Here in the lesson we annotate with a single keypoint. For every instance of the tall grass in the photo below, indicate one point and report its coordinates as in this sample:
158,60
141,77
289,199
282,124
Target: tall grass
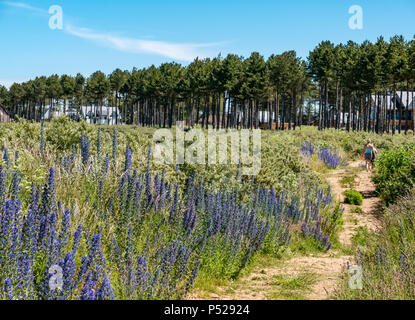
387,259
95,207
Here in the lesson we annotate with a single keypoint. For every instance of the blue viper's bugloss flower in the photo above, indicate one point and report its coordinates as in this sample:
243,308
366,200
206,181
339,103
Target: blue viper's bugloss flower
88,291
105,292
330,159
325,240
314,232
6,158
16,158
76,239
48,196
307,149
127,163
85,149
2,188
41,235
15,186
105,166
8,288
69,270
403,262
184,225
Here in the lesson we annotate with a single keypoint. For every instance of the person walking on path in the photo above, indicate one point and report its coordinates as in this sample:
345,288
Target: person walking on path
369,155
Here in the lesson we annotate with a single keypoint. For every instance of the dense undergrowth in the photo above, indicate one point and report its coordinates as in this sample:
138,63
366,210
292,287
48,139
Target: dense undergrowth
387,259
89,206
91,201
352,143
395,173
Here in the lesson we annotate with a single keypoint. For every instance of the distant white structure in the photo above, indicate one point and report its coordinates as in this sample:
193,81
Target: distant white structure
47,115
4,116
90,114
263,116
404,101
389,100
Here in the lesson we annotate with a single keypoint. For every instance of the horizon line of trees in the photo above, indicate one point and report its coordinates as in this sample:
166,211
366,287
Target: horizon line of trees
281,92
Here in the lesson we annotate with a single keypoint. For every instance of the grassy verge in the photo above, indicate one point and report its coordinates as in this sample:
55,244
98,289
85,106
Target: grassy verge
387,258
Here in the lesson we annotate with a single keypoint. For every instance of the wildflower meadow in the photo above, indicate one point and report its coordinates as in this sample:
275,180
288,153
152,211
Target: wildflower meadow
89,215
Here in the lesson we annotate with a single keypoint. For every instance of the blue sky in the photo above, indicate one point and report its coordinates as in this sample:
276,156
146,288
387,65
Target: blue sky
104,35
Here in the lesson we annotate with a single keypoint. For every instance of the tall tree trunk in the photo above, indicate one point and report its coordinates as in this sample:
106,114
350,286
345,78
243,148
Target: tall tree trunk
116,107
377,110
387,109
349,112
295,107
360,119
218,111
326,104
394,110
300,119
229,112
354,112
277,111
224,117
413,110
407,107
341,111
283,119
400,113
197,110
171,113
320,107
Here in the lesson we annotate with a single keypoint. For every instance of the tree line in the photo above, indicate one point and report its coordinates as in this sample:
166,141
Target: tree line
344,85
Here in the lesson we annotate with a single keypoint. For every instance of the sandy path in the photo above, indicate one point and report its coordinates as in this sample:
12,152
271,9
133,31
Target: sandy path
351,221
325,268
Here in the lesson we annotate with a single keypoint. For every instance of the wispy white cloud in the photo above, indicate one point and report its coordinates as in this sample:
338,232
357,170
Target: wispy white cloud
24,6
177,51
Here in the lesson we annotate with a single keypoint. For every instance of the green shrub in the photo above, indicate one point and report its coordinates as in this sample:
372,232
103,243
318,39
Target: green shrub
353,197
395,173
61,133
